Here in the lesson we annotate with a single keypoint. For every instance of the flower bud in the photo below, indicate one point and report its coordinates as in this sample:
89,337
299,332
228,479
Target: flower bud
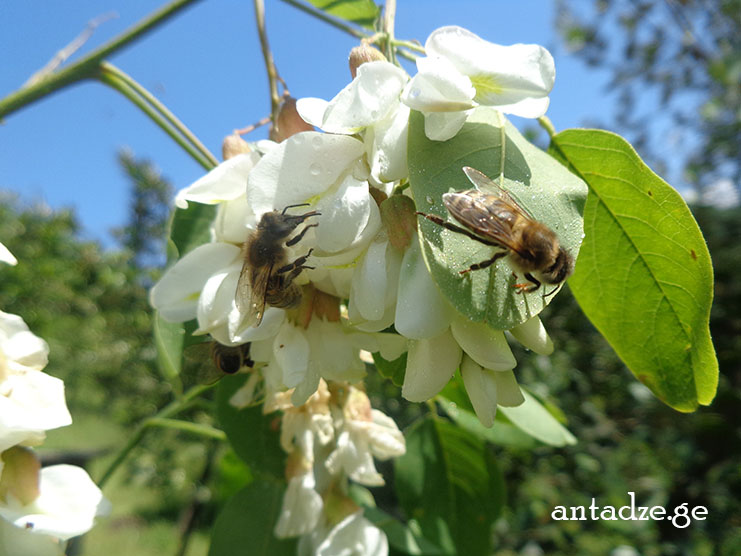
233,145
400,220
288,121
20,475
364,53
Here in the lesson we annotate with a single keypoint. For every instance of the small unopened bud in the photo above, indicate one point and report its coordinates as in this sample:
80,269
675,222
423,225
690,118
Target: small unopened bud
288,121
233,145
400,220
20,475
359,55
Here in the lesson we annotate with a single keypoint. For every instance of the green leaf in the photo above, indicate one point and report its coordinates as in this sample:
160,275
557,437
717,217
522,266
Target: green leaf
449,483
191,227
502,433
362,12
644,275
254,436
245,525
168,337
539,183
534,419
392,370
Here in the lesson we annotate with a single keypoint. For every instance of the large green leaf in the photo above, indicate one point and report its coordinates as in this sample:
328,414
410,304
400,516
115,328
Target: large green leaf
534,419
449,483
253,436
544,187
191,227
362,12
245,525
644,275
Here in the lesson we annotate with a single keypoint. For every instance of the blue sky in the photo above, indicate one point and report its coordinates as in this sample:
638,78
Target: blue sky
206,66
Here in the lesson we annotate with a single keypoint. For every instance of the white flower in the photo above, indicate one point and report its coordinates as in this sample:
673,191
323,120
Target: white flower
31,401
486,389
66,506
462,71
353,536
6,256
362,433
370,105
302,507
226,182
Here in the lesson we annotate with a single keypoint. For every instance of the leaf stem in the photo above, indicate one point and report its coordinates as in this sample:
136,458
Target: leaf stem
116,82
546,124
173,120
87,67
187,426
389,16
268,57
168,411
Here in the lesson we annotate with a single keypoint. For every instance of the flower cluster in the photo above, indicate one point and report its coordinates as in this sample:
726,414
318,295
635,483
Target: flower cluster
365,285
40,509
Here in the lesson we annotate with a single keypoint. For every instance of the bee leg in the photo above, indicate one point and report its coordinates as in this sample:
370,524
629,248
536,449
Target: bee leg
484,264
454,228
296,239
528,288
296,266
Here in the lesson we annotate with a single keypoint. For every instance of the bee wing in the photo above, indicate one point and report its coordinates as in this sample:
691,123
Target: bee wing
257,286
485,184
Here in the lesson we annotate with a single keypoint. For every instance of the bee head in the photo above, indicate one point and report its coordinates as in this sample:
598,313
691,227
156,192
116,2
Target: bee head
560,269
278,225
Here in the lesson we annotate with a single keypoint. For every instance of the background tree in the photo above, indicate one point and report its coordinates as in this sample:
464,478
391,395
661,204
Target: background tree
678,57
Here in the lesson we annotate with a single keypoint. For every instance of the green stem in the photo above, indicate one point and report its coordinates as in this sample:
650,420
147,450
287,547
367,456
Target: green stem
173,120
326,18
268,57
187,426
389,17
410,45
546,124
115,82
168,411
88,66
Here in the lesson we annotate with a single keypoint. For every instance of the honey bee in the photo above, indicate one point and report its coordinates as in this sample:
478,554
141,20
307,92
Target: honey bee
494,218
266,277
209,361
229,359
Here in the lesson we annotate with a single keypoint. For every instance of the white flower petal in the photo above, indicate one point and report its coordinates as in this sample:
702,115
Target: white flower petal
20,349
486,346
370,282
367,99
385,439
438,87
344,215
532,334
387,140
430,364
441,126
312,110
224,183
19,541
176,294
526,108
234,221
502,75
66,507
302,507
309,385
421,311
217,299
481,386
6,256
34,403
299,168
508,391
291,350
354,536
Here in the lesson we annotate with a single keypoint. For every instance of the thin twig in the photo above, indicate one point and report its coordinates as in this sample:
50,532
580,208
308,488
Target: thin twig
87,67
252,127
268,57
389,16
63,55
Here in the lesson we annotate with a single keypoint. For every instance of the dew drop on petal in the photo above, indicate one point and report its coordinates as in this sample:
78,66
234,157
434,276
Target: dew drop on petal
317,142
429,200
315,169
414,93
